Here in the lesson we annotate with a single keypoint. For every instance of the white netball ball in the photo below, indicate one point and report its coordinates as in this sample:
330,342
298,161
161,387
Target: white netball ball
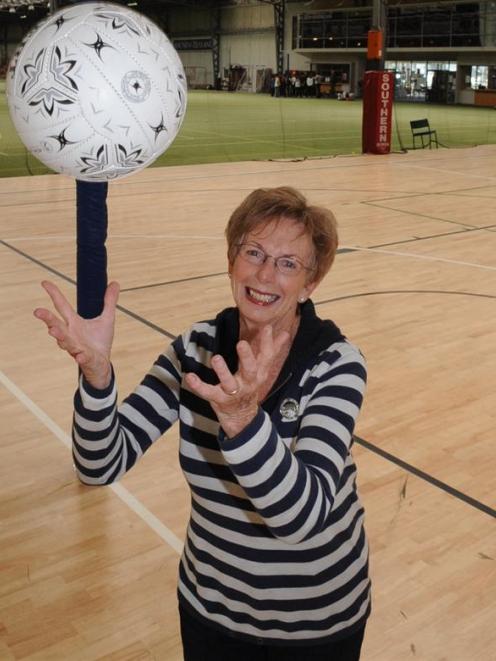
96,91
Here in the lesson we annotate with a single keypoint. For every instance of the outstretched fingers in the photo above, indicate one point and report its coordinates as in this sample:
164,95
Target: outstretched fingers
204,390
59,326
61,304
110,299
240,390
46,316
222,393
270,345
227,381
56,326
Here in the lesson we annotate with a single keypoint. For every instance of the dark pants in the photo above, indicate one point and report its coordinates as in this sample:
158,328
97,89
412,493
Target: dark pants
202,643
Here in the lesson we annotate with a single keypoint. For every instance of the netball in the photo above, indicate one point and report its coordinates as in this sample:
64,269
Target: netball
96,91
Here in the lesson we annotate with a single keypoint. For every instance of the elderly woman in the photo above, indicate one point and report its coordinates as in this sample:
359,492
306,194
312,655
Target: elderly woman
275,564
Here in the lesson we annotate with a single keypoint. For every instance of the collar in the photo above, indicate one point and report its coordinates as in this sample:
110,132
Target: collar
313,336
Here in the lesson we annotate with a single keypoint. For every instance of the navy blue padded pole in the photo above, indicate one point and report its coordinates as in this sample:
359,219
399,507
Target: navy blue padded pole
92,220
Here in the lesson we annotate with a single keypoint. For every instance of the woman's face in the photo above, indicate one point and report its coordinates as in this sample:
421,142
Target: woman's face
262,293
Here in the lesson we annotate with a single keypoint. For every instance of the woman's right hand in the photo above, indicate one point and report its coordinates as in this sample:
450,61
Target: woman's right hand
88,341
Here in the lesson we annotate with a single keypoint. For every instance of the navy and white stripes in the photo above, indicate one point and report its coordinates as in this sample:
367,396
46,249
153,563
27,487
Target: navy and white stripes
275,547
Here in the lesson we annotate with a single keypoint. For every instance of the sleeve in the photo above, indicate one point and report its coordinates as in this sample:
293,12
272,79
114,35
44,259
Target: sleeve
107,440
295,491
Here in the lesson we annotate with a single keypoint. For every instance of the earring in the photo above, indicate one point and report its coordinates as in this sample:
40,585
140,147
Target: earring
302,299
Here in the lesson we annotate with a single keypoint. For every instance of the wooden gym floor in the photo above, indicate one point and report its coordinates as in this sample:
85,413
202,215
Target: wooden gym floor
90,573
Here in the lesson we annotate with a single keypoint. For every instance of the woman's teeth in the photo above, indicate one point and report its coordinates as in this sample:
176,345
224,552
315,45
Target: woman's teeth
262,298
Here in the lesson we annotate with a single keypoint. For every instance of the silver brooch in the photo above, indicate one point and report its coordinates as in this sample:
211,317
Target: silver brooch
289,409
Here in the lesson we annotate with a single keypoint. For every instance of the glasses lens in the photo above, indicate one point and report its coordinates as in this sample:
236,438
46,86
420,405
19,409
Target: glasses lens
288,266
252,254
255,255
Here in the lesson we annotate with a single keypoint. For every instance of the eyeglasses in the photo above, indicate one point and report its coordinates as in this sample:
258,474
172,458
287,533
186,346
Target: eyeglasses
285,264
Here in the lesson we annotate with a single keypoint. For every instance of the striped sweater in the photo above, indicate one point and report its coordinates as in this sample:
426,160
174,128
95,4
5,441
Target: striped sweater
275,547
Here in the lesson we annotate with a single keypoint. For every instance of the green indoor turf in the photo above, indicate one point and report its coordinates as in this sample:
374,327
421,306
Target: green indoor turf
223,126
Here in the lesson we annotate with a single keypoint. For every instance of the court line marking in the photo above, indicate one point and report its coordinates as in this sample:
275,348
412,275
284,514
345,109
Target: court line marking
393,196
336,161
195,277
173,282
120,491
398,195
442,235
415,214
397,253
136,506
120,307
160,528
450,172
428,478
387,292
153,237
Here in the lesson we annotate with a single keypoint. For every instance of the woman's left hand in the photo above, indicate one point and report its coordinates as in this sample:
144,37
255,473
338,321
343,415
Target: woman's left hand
236,397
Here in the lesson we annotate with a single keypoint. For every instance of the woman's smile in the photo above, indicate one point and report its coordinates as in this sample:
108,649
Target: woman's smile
260,297
263,294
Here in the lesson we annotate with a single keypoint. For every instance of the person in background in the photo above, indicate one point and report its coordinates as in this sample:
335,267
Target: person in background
317,81
266,393
309,85
292,84
298,87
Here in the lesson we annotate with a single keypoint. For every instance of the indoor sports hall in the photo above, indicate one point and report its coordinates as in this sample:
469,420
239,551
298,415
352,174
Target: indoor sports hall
90,573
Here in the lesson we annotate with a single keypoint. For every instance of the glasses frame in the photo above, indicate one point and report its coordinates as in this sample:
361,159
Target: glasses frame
275,259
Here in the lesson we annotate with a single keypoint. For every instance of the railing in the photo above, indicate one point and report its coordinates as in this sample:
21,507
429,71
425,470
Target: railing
452,26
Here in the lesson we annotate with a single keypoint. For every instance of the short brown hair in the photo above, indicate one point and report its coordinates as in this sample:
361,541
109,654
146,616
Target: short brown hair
267,204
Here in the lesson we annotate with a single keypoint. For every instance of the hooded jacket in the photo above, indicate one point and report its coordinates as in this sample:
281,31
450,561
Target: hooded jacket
275,549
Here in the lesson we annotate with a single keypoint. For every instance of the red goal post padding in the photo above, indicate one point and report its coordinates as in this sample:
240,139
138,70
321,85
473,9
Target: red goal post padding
378,91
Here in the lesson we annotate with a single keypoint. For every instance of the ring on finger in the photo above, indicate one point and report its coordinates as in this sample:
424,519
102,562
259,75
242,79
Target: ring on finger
234,391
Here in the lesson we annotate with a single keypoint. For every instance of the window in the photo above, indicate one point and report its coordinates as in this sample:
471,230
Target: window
479,77
440,25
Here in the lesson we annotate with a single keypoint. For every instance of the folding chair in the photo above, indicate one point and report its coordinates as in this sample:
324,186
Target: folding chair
421,130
